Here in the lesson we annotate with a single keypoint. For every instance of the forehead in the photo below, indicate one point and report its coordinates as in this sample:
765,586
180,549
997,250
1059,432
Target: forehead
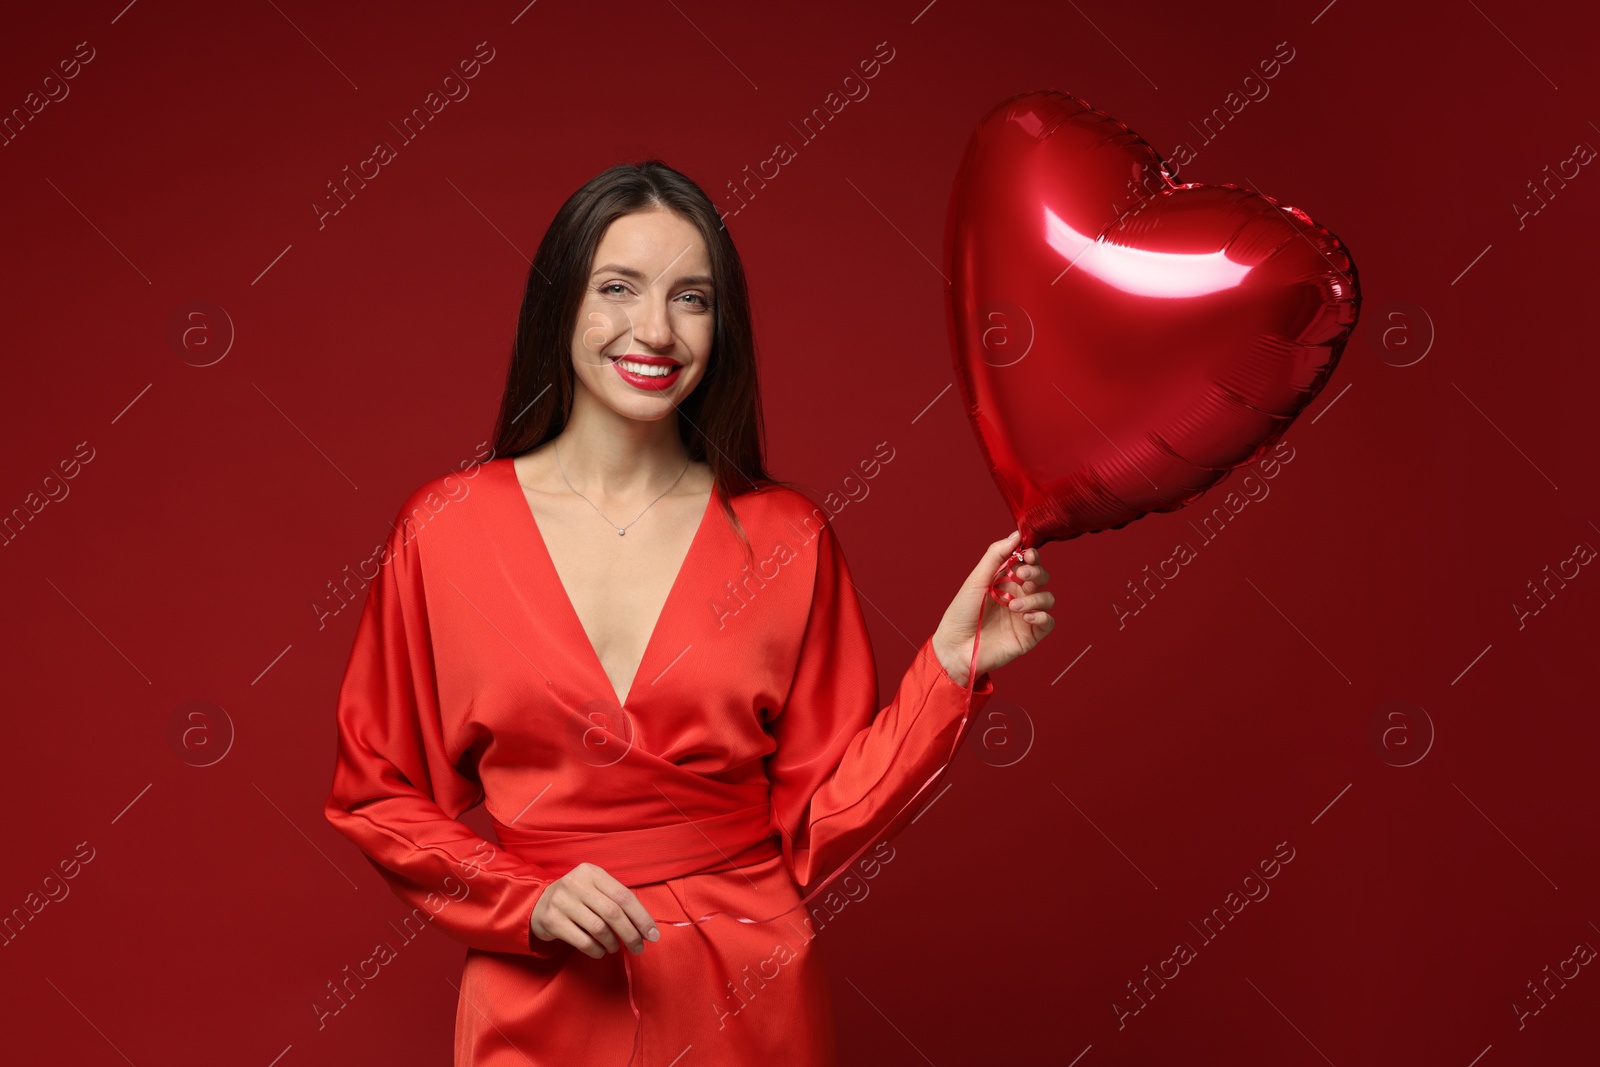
654,241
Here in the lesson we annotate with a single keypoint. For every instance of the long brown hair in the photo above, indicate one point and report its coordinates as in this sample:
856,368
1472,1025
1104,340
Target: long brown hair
720,422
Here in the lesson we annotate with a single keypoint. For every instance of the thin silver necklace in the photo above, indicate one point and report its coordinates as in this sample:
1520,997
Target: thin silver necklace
620,529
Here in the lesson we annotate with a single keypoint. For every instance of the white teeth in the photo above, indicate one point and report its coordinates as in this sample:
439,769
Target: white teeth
646,370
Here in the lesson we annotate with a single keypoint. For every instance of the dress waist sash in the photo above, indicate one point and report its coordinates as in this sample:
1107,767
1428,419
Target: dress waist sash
651,853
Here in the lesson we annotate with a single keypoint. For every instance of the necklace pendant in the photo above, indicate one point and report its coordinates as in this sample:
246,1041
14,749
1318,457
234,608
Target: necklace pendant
621,530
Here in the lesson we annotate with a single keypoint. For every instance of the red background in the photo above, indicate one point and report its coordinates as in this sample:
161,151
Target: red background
1168,756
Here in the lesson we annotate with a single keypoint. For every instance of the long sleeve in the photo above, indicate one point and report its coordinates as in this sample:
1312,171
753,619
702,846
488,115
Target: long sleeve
843,770
397,794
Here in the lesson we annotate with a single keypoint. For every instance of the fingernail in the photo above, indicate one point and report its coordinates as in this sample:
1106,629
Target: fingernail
654,934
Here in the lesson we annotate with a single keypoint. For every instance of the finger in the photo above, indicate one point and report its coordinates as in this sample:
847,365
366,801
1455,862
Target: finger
578,902
1029,567
991,569
593,924
1030,584
1035,616
992,558
619,928
637,919
1033,601
563,927
638,915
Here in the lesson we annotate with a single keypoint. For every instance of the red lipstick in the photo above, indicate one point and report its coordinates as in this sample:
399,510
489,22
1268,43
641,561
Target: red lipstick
651,382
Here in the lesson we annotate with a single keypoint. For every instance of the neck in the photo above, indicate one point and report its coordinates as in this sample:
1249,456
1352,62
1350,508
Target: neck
607,456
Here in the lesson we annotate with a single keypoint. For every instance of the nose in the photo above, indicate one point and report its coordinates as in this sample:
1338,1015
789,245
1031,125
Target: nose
651,322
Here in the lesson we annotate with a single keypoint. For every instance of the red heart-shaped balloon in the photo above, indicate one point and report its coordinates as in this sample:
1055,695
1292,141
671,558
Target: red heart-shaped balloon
1124,342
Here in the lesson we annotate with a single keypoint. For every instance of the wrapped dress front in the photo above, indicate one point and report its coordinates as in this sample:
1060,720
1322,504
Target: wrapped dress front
750,759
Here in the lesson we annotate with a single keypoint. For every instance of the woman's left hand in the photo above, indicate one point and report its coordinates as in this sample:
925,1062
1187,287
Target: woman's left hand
1009,630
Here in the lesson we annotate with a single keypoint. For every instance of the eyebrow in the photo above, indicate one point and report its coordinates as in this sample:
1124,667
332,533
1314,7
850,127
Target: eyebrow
638,275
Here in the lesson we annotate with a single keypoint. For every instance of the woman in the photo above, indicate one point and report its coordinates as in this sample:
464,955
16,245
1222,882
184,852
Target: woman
670,716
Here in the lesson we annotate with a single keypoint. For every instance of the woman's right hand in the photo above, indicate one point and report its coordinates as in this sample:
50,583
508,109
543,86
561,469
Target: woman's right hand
592,912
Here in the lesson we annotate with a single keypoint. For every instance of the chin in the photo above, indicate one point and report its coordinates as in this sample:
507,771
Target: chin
648,412
635,405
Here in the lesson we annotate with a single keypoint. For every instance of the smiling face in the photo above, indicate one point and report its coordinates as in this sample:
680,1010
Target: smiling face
644,329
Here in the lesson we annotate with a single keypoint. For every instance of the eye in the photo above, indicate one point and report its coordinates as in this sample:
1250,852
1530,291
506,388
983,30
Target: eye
612,285
704,303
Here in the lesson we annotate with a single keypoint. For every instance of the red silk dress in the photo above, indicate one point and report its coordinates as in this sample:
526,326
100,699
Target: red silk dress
750,761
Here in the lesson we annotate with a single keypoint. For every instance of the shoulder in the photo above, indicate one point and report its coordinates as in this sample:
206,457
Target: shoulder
786,526
445,500
782,507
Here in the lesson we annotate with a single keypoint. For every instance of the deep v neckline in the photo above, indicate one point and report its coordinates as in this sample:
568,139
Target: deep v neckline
570,610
